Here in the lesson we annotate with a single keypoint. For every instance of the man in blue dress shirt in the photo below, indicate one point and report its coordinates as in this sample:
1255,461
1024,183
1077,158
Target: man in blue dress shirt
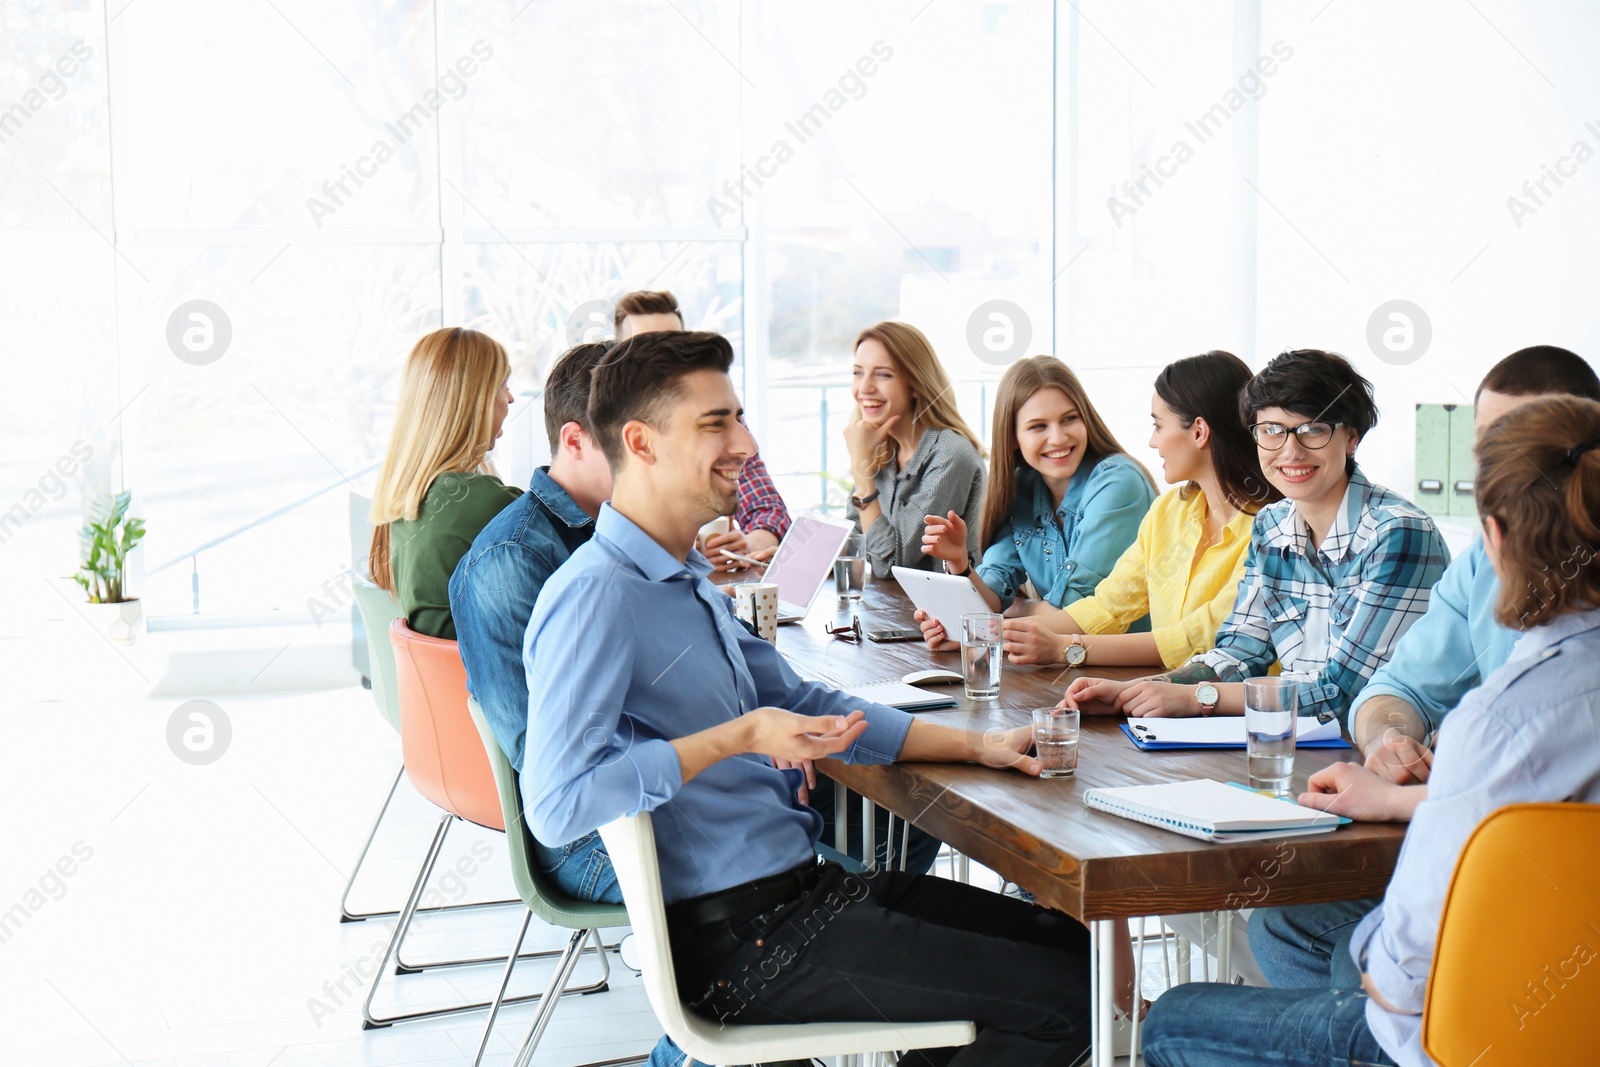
647,694
1450,650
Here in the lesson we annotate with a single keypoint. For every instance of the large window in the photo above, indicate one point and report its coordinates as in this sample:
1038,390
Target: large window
1092,179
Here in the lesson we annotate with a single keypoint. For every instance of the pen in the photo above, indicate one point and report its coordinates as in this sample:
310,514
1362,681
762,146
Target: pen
743,559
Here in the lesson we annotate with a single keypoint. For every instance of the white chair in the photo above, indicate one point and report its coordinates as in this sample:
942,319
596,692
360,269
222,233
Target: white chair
631,843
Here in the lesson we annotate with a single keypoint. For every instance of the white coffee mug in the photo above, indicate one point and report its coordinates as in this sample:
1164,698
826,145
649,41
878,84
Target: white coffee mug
757,604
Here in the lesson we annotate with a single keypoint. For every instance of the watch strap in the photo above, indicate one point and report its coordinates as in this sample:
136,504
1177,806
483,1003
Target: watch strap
862,501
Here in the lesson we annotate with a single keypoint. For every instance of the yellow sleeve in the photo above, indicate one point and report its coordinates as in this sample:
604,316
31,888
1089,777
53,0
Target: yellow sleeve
1123,596
1196,632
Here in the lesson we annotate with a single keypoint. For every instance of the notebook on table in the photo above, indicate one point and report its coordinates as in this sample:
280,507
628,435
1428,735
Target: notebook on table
898,694
1223,731
1211,811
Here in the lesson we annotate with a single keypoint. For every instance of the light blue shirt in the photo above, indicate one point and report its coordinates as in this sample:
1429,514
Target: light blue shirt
1065,551
1452,648
628,648
1530,733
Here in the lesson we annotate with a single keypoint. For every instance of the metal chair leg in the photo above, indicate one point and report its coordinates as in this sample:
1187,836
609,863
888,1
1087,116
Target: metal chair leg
371,1021
348,916
499,994
551,997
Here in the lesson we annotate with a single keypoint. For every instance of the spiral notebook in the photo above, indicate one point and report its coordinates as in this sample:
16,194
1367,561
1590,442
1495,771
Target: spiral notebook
1211,811
897,694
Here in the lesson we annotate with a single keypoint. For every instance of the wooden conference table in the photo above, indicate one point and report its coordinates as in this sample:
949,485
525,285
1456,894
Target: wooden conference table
1039,834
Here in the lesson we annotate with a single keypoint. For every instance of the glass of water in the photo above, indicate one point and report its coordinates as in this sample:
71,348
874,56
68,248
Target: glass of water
1055,741
981,637
1270,706
850,569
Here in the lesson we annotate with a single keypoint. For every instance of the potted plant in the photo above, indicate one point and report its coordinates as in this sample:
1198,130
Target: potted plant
107,539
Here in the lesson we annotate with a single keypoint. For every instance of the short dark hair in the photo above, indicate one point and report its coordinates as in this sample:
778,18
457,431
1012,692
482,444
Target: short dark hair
646,302
1541,369
642,376
1311,382
1207,387
566,389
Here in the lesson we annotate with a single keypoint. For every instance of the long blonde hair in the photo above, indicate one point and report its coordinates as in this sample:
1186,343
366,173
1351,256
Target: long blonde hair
914,359
444,421
1024,378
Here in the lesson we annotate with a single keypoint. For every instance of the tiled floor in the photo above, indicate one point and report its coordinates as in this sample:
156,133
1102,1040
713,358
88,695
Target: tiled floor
154,912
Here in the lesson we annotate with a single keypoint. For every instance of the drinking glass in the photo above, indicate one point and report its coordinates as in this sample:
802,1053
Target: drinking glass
981,637
1270,705
850,569
1055,741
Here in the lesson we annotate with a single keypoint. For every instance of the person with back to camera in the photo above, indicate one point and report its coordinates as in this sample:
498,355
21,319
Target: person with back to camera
1529,733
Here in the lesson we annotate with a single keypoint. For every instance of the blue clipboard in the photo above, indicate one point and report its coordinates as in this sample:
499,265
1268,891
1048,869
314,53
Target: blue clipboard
1161,746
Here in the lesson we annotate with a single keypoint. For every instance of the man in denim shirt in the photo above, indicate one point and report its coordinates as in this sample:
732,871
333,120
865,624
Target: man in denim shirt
494,587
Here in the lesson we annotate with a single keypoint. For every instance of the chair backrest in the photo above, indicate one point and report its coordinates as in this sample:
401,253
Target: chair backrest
378,609
537,889
443,755
1516,969
631,842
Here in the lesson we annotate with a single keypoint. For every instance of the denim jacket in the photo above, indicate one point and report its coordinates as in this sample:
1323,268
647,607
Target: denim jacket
1067,550
492,593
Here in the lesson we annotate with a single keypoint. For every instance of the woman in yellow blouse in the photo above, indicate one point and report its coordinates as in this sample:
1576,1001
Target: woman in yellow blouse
1184,569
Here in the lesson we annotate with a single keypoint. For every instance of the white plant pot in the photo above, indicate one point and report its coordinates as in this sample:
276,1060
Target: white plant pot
118,622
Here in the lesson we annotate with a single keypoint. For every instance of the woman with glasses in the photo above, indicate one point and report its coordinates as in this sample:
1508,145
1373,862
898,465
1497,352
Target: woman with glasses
1336,573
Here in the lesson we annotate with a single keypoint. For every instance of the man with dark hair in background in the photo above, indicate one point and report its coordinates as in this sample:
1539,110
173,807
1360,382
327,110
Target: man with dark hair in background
761,517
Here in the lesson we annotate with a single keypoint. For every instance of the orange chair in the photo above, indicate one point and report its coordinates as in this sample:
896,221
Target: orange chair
446,762
1514,979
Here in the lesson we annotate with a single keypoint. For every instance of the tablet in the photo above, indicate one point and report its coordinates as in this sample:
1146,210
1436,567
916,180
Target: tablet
946,597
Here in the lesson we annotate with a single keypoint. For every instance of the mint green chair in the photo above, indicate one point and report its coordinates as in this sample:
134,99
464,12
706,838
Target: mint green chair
546,900
378,609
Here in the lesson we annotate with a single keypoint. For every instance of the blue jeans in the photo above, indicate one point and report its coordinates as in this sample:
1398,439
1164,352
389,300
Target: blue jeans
1241,1026
583,870
1307,946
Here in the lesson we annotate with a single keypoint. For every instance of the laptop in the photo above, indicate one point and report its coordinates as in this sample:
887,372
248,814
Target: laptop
804,562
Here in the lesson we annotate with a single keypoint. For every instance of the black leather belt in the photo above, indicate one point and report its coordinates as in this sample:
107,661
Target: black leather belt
742,900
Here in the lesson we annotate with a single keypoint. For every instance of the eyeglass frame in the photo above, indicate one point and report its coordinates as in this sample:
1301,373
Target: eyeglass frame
1297,431
848,633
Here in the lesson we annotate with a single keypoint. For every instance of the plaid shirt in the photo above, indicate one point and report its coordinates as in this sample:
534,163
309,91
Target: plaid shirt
760,506
1331,616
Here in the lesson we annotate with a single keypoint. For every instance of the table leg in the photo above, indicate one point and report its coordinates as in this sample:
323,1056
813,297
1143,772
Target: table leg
841,819
1138,990
1225,945
1102,986
869,835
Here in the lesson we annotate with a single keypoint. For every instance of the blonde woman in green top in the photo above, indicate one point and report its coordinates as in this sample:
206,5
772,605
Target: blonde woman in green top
436,488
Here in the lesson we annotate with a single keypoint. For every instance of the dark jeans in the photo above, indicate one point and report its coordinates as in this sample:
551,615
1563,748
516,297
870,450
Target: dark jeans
1205,1024
1307,946
888,946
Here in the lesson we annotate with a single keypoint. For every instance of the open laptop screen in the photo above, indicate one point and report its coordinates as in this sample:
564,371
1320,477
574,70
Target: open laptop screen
806,557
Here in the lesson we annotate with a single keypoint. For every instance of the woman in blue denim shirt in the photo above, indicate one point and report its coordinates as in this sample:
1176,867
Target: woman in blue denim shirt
1064,499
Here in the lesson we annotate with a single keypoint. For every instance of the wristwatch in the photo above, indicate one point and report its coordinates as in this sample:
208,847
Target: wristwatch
862,501
1076,651
1207,695
951,570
